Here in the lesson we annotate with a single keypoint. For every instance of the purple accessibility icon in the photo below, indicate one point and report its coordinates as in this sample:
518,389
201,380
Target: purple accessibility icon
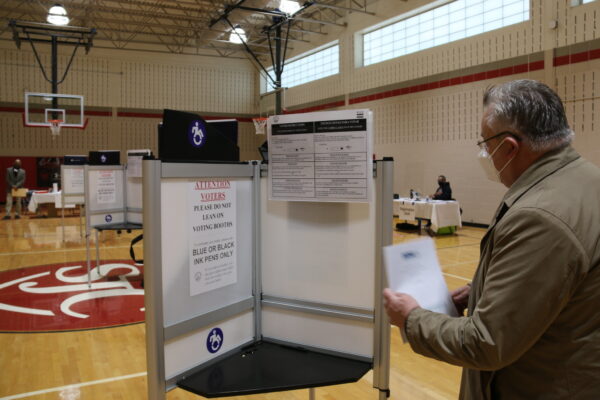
214,341
197,133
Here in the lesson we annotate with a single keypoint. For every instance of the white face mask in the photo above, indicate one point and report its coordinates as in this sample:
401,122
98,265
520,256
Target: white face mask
487,163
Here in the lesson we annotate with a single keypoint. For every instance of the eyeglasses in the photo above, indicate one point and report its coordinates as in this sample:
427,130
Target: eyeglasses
483,145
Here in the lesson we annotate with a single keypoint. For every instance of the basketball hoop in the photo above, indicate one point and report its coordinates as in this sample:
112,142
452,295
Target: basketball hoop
260,124
55,127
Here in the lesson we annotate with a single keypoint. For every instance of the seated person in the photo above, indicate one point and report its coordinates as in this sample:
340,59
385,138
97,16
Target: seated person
443,191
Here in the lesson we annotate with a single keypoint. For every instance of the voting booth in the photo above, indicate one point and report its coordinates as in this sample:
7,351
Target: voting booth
72,191
247,295
113,199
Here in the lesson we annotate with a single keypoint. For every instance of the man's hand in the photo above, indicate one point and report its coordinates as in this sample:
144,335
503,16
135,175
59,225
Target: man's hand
398,306
460,297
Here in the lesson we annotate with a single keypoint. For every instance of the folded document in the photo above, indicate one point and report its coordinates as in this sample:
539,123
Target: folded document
413,268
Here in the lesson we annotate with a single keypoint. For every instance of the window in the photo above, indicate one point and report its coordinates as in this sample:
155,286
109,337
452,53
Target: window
449,22
580,2
307,67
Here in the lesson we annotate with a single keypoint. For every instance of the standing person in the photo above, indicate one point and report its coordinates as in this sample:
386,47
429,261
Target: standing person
443,192
532,330
15,179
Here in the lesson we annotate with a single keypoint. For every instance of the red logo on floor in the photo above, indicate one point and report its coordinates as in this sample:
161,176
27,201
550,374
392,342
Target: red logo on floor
58,298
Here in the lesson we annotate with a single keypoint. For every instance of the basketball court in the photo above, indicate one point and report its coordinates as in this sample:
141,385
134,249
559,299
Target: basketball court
96,361
85,85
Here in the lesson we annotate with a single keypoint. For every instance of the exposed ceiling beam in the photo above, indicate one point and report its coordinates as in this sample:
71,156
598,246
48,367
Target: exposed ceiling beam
332,6
316,21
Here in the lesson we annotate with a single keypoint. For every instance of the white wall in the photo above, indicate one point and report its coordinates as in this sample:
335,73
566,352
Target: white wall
114,82
434,132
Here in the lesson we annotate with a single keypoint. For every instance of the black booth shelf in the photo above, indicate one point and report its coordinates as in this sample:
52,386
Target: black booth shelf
128,226
270,367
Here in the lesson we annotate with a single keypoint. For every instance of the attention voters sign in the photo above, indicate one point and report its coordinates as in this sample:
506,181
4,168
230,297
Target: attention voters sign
212,234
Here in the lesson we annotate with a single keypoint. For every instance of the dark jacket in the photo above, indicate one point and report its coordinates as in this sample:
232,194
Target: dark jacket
15,180
443,192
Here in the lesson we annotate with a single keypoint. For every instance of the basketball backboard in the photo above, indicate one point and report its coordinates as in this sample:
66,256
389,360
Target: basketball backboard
42,108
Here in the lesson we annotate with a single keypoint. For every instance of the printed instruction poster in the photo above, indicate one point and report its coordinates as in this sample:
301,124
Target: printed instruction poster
106,188
73,180
322,156
212,234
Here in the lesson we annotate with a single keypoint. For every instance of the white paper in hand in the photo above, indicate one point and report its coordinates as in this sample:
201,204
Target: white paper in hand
413,268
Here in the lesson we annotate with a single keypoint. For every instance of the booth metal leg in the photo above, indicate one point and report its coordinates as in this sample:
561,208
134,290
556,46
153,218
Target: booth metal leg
311,394
81,220
98,254
63,221
87,253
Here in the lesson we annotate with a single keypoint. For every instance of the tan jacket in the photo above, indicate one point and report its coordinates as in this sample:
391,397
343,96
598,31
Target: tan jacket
533,326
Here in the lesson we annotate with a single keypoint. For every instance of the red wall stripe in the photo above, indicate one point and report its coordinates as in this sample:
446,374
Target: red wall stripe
460,80
71,112
577,57
480,76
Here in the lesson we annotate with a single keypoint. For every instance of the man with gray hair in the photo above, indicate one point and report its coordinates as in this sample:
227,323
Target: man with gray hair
532,328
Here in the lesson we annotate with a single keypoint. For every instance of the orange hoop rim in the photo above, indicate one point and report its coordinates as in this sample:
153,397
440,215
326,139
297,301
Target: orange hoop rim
55,121
260,119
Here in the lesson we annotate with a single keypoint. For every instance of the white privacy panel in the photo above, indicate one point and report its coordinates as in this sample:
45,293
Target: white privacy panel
321,252
134,192
185,352
179,305
72,183
345,336
105,187
134,200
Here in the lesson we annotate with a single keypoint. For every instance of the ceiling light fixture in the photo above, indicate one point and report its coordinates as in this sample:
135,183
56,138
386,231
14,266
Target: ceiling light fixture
289,7
57,15
237,35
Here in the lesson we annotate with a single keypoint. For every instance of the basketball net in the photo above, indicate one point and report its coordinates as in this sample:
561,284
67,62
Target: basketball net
260,125
55,127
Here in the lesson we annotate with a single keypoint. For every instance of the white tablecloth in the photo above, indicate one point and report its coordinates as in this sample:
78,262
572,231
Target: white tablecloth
440,213
41,198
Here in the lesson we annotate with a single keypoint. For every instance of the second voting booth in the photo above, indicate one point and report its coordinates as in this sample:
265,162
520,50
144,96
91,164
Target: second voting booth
247,295
113,199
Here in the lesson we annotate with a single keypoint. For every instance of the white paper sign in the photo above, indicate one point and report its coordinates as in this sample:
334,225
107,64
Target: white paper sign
323,156
73,180
106,190
413,268
134,162
212,234
404,210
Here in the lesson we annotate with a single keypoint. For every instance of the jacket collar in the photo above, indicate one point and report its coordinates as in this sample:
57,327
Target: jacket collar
544,166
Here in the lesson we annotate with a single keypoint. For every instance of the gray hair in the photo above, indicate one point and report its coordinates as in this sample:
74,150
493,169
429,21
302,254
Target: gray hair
532,109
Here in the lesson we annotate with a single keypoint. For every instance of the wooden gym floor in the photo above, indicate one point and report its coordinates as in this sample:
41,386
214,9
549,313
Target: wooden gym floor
110,363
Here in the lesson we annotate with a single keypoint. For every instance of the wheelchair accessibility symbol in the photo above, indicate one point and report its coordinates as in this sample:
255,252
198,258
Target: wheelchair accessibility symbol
197,134
214,341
